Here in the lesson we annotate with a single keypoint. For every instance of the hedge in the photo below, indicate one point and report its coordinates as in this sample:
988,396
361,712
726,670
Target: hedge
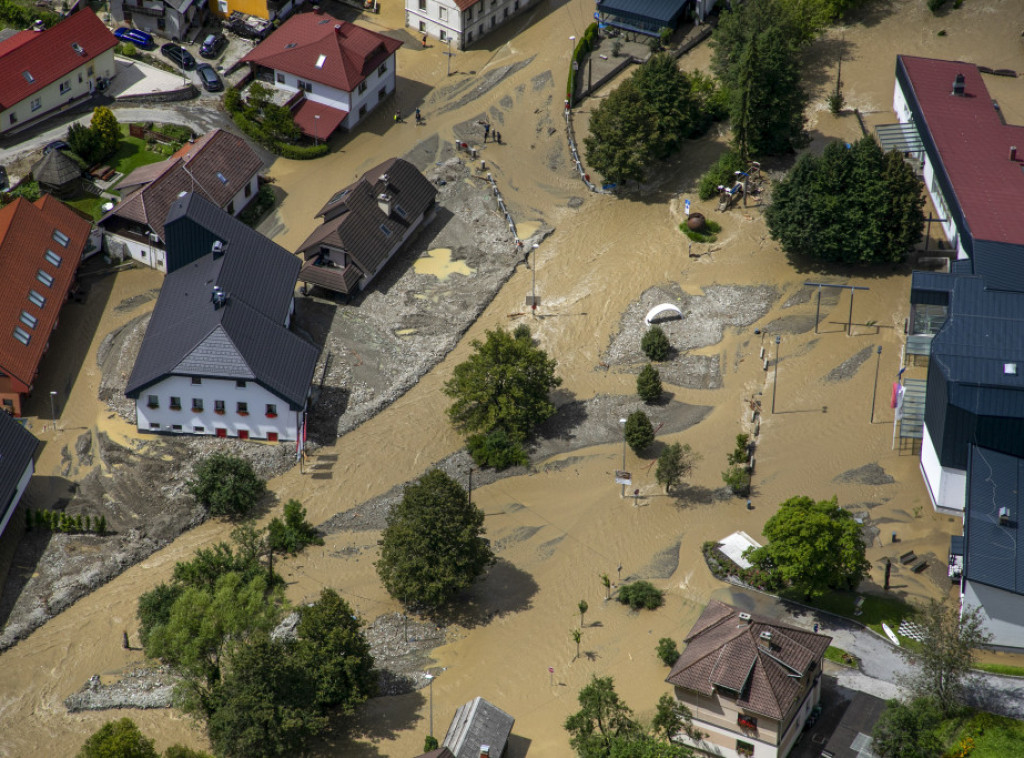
255,131
583,47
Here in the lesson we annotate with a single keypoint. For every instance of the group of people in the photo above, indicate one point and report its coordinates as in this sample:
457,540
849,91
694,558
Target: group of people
487,132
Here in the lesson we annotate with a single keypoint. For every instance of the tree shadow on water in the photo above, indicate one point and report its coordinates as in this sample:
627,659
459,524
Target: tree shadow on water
504,589
379,719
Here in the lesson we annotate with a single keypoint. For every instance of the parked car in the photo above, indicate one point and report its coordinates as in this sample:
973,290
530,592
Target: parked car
137,37
58,145
179,55
211,81
213,45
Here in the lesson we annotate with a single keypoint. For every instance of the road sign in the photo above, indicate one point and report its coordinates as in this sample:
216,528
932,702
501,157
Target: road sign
623,477
687,207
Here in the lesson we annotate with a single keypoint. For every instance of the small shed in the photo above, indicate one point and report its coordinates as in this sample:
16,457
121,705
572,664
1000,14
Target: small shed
57,173
479,730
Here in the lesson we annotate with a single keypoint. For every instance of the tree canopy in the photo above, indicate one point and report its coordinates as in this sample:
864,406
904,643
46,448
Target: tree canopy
108,131
812,547
675,463
852,204
908,730
227,485
503,387
648,384
433,546
118,739
639,431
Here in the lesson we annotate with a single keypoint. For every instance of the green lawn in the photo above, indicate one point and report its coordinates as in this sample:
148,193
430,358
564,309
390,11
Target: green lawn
1000,668
875,611
132,152
840,656
88,204
993,736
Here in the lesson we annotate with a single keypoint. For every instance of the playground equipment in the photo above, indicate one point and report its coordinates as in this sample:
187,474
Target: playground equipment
747,183
729,195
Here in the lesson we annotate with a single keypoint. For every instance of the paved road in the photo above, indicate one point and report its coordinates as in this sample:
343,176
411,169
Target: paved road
883,667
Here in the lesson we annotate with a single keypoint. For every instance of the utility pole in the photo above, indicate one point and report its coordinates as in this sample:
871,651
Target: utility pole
775,384
623,422
874,388
53,407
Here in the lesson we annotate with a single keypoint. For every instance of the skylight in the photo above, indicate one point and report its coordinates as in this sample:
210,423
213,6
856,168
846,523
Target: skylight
60,238
223,179
1010,368
401,211
21,335
52,257
77,48
29,320
28,77
387,232
338,196
290,45
36,299
321,23
320,60
44,277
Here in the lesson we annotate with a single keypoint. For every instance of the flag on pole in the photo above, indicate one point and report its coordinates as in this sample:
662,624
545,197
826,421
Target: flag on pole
899,376
899,402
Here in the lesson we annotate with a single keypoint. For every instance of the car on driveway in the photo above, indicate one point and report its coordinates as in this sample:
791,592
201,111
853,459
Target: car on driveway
179,55
58,145
209,78
137,37
213,45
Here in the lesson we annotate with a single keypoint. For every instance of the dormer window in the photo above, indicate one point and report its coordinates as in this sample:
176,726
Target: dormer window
52,258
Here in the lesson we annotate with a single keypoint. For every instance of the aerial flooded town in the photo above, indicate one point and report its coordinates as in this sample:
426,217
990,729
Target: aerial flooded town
505,378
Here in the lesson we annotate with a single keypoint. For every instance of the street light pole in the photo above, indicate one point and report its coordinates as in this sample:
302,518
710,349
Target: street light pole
533,297
775,384
316,122
430,680
874,388
53,407
448,55
623,422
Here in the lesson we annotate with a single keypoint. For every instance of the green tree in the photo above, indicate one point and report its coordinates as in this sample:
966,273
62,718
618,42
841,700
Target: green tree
850,205
641,594
84,142
155,609
655,344
672,717
503,387
430,743
577,637
648,384
675,463
667,651
180,751
737,479
278,121
949,643
433,546
583,606
908,731
639,432
118,739
332,649
294,533
741,453
624,132
496,449
108,131
813,547
227,485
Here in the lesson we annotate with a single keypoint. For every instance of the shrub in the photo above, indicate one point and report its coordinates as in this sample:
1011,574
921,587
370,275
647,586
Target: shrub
258,208
430,743
299,152
742,452
648,384
708,235
667,651
232,101
227,485
655,344
126,49
583,47
294,533
738,480
639,432
722,171
496,449
85,143
665,35
176,132
935,5
641,594
101,525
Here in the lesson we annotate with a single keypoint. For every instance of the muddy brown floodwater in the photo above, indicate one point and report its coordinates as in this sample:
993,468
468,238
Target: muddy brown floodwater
559,529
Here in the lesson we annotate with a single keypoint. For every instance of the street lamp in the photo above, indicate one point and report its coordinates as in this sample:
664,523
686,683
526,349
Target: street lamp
572,44
623,422
53,407
874,388
775,384
533,298
316,123
430,682
449,55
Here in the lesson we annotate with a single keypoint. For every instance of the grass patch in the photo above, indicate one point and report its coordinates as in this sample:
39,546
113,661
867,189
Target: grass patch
254,212
1000,668
710,233
874,612
840,656
992,736
131,153
89,204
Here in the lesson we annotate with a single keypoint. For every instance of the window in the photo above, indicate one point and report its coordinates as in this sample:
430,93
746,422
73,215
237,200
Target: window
161,23
387,232
280,78
362,87
65,86
197,405
248,189
45,278
52,257
362,111
37,103
401,211
28,319
175,403
198,429
383,69
152,401
423,5
442,35
36,299
240,383
154,425
243,434
243,409
271,436
382,93
442,13
60,238
469,37
306,86
79,77
91,70
218,407
197,380
744,748
14,118
423,26
21,335
222,5
176,427
221,178
28,77
271,410
231,207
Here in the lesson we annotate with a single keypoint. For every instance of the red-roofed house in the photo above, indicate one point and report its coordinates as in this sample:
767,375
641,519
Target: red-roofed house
462,22
338,71
41,245
44,70
749,682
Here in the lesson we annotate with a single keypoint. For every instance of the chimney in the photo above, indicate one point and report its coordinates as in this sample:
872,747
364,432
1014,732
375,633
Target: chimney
1013,152
958,85
1004,516
745,618
317,10
765,640
219,297
384,203
217,250
485,751
337,28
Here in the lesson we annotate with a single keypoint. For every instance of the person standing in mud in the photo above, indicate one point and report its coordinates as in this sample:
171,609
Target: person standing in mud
487,130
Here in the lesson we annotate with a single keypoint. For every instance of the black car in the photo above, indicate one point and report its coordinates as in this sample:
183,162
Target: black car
179,55
58,145
213,45
211,81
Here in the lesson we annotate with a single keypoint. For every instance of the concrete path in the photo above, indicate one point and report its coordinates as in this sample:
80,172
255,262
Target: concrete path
883,667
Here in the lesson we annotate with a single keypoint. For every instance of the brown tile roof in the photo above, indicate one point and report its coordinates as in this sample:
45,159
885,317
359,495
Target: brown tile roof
354,222
350,53
725,651
29,61
26,234
343,280
317,120
216,167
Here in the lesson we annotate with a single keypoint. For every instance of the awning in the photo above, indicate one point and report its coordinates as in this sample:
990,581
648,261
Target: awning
306,118
901,137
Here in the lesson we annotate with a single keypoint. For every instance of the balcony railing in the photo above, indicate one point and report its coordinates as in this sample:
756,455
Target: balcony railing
147,10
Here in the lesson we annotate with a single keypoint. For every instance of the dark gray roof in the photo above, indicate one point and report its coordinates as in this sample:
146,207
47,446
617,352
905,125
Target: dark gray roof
17,448
478,723
852,735
956,544
245,338
666,11
994,553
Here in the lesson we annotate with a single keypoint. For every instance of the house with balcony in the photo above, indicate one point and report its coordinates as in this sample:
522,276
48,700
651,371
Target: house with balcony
41,245
220,166
336,72
218,357
749,682
45,70
460,23
365,225
177,20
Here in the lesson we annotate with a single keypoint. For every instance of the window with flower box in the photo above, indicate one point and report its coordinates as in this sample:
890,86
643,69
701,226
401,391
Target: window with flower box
243,409
271,411
152,401
197,405
218,407
744,748
175,403
747,722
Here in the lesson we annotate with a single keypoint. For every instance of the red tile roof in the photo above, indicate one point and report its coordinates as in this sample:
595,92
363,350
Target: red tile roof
974,145
305,118
26,234
49,55
725,651
350,53
464,5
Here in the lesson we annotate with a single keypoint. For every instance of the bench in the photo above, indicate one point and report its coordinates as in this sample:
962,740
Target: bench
908,558
919,567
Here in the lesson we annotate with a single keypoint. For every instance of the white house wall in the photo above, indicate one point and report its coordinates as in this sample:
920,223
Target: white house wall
239,201
947,486
256,423
79,82
18,492
442,20
340,99
147,255
1002,613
